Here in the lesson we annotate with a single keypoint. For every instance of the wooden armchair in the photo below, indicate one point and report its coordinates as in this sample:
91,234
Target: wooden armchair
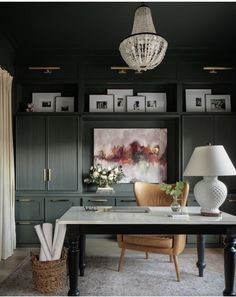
151,195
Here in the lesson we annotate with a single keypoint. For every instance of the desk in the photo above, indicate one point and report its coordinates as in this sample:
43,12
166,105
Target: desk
79,223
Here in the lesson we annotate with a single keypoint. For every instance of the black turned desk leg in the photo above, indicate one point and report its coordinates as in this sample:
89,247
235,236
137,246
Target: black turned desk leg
82,244
200,254
73,266
229,264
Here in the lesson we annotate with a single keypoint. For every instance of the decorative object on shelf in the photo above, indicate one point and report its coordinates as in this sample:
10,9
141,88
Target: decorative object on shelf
65,104
101,103
218,103
210,162
30,107
175,191
120,98
135,103
195,99
143,49
104,178
155,102
105,190
44,102
142,152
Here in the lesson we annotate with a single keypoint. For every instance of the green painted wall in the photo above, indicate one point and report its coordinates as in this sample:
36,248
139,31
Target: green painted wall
7,54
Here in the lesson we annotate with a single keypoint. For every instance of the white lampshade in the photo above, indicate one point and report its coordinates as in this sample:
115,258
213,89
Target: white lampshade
210,162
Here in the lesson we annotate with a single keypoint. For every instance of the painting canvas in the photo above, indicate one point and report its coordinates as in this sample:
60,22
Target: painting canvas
142,152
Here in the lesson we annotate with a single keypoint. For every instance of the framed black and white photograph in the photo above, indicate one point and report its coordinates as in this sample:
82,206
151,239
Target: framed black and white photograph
64,104
195,99
218,103
155,102
136,103
120,98
101,103
44,102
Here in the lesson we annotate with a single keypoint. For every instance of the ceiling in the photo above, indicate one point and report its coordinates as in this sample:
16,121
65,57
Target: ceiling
102,25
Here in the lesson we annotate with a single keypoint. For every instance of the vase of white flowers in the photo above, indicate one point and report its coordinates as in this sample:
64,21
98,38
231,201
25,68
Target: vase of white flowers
104,178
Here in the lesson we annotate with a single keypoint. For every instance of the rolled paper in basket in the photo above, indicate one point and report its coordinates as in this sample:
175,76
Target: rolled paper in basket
42,256
47,231
43,242
55,236
59,242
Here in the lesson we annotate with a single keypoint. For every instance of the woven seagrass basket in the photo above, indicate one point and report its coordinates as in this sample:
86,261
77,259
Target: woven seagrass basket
49,276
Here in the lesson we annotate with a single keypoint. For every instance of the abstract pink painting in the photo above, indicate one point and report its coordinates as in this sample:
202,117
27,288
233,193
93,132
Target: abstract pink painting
142,152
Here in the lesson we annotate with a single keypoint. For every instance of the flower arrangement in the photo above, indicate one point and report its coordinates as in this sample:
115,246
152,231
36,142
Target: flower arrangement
175,191
103,177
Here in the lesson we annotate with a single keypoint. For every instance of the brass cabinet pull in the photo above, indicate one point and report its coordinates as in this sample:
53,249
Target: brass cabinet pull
49,174
24,223
60,200
24,200
131,200
44,174
98,200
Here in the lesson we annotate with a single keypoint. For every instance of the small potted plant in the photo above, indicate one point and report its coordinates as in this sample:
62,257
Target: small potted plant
104,178
175,191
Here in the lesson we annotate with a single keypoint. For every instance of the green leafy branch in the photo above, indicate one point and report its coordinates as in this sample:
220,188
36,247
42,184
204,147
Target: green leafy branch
173,190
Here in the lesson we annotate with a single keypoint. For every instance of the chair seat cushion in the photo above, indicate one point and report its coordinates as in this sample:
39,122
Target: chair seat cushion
158,241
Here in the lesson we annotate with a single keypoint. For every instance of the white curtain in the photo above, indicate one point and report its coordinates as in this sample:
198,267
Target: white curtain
7,179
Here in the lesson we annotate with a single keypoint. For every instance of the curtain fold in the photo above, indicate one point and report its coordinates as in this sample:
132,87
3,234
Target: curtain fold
7,175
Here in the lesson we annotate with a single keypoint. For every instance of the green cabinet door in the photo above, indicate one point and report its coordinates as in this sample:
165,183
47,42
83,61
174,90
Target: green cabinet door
29,208
25,232
47,153
30,153
63,153
55,207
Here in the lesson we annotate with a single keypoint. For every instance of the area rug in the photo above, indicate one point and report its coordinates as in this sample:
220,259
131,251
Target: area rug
140,277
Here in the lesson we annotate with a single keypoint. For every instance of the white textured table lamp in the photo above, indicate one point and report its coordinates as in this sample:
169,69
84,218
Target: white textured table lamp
210,162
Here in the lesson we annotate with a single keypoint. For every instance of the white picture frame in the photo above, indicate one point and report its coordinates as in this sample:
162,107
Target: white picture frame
64,104
218,103
155,102
120,98
101,103
195,99
44,102
135,103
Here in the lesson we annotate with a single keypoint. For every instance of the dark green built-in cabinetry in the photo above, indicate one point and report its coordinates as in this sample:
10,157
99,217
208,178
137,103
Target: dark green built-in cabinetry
46,153
54,150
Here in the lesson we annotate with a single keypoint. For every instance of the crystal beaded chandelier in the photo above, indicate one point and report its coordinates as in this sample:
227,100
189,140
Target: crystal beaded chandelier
143,49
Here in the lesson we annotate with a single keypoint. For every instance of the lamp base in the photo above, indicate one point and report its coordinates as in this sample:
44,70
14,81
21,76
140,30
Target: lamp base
210,193
210,214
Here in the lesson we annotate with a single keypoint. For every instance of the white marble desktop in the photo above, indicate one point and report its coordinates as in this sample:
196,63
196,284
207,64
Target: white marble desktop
157,215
